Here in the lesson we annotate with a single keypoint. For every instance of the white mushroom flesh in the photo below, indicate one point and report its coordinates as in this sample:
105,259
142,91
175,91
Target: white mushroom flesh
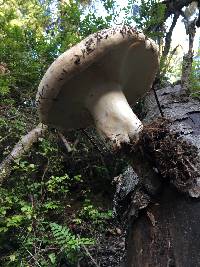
112,115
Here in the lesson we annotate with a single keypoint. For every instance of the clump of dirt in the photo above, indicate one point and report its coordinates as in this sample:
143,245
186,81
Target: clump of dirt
174,158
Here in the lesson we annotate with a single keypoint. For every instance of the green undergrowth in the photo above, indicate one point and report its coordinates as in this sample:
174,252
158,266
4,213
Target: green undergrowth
195,77
54,204
51,206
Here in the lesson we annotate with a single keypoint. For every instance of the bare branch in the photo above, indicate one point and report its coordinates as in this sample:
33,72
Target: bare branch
65,142
168,37
20,149
173,6
89,255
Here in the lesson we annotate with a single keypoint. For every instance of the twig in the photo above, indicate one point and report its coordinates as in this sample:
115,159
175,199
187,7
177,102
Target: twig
4,138
157,100
92,142
89,255
45,169
67,145
44,173
33,257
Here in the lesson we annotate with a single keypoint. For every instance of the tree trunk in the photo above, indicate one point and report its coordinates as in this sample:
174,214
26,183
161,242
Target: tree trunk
167,233
188,58
162,207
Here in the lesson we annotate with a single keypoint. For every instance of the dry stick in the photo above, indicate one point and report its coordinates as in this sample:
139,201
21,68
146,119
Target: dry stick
42,192
92,142
157,100
67,145
33,257
20,149
89,255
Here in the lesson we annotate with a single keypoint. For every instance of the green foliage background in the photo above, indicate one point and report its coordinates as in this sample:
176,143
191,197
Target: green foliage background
39,214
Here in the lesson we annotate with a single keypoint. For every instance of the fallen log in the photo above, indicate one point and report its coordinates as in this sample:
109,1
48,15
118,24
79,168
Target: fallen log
167,233
162,208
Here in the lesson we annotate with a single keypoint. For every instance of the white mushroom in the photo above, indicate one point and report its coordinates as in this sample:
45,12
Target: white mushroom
95,81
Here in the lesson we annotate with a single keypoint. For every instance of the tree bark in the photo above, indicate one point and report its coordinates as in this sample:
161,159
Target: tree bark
188,58
162,209
167,233
173,6
168,37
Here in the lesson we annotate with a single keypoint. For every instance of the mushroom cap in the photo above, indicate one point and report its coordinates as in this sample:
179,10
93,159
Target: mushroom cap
119,55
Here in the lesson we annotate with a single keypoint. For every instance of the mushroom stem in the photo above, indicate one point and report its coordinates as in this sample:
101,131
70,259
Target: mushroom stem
112,115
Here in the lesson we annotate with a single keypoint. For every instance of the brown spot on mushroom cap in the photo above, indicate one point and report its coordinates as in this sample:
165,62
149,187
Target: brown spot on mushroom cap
119,54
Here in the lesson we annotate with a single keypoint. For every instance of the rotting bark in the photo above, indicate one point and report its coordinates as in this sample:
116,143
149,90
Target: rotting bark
161,209
22,147
166,233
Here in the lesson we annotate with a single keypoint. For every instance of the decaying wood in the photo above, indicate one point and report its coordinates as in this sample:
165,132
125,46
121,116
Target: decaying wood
167,233
156,197
20,149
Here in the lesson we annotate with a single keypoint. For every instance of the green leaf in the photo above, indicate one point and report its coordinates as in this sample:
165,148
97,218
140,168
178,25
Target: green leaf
52,258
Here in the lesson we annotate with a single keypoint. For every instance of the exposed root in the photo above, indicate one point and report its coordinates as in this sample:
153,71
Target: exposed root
174,158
